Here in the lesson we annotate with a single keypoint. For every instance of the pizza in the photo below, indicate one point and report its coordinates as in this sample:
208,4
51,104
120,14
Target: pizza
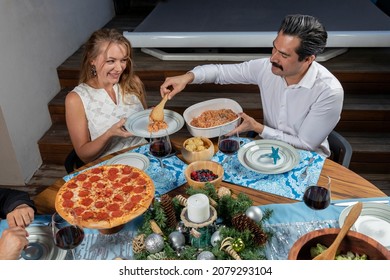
106,196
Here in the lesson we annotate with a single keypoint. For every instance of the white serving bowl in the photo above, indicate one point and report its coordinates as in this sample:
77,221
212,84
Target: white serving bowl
212,104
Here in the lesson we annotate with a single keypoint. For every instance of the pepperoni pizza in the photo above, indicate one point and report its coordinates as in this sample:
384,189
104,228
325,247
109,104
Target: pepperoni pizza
106,196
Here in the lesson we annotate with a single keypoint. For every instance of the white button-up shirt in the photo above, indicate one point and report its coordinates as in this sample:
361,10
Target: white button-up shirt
302,115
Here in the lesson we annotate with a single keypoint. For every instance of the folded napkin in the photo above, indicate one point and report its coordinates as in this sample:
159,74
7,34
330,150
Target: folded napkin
172,163
288,184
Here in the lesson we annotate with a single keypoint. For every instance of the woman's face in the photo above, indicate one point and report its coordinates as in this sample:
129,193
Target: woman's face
110,63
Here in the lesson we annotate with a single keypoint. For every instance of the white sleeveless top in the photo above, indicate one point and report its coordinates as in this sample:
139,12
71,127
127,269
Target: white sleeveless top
102,113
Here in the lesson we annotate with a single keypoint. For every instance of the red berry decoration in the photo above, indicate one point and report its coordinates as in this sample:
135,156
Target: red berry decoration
203,175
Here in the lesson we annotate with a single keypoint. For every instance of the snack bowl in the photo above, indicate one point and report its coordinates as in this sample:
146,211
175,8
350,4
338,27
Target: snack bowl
213,104
197,149
354,242
213,166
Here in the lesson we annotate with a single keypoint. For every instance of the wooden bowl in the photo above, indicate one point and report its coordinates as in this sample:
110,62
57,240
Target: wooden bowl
213,166
354,241
197,155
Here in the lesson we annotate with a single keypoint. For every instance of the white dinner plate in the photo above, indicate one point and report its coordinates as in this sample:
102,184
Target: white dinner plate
133,159
138,123
249,156
374,221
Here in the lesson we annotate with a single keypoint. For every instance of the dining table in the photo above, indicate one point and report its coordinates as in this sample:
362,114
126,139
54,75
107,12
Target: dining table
346,184
280,194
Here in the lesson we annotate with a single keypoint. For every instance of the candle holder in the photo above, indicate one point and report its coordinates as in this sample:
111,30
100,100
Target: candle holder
200,233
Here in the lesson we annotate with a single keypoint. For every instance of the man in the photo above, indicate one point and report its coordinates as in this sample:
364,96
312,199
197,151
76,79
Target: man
301,99
17,207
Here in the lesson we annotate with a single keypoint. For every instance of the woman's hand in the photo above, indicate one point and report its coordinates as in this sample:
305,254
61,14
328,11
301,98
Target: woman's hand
119,129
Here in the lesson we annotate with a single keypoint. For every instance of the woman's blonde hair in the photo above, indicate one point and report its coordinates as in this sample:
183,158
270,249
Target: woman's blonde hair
128,81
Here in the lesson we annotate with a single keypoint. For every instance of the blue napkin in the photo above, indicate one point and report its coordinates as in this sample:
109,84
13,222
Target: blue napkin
300,212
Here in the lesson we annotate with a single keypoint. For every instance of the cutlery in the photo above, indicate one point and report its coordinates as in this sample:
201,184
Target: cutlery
330,253
157,113
304,173
349,203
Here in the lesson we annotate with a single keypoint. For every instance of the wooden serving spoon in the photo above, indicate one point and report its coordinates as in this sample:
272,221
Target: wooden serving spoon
157,113
330,253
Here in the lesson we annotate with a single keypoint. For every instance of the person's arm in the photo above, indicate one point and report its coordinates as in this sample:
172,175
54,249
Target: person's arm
319,122
10,199
77,124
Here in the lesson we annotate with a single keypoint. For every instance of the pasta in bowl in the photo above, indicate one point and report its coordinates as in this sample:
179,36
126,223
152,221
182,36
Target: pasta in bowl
206,118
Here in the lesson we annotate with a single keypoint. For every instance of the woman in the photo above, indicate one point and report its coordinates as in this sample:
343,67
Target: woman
108,93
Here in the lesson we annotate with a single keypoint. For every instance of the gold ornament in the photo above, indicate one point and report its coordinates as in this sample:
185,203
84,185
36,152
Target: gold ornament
226,245
238,245
182,200
224,191
155,228
139,243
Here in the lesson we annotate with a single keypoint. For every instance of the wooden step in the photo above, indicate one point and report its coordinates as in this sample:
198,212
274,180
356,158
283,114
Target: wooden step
55,145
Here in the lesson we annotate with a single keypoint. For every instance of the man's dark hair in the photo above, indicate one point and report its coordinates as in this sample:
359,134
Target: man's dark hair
311,32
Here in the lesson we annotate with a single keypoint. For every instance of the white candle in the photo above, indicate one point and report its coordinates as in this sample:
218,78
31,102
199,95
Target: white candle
198,208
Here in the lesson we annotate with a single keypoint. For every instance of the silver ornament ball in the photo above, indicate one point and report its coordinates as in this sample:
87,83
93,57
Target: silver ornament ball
254,213
176,239
215,237
154,243
206,255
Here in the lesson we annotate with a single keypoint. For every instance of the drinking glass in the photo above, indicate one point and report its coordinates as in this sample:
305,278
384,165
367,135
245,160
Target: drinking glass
228,145
67,236
160,147
317,196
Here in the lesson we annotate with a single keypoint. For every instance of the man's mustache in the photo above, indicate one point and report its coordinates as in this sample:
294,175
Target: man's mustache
274,64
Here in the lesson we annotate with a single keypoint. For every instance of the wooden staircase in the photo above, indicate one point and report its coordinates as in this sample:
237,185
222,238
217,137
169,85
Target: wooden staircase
365,121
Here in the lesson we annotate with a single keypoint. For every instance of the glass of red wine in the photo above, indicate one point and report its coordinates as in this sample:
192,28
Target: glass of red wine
228,145
67,236
160,147
317,195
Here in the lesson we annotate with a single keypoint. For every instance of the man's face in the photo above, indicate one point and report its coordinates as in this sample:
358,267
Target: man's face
284,59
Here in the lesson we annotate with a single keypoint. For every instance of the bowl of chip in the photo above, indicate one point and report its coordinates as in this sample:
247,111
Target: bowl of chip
354,246
206,118
199,173
197,149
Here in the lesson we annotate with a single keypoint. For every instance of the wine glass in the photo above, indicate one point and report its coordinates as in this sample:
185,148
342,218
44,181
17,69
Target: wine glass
317,195
160,147
228,145
66,236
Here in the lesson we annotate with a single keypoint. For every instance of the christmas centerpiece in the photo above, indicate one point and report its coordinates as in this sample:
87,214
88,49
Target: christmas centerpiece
208,224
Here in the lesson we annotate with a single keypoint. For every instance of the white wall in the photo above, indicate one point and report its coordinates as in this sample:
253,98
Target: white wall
36,36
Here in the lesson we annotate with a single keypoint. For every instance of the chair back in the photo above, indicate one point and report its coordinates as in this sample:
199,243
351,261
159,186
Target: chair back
72,162
340,148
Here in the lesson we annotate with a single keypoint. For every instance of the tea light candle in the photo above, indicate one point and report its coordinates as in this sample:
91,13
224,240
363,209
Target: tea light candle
198,208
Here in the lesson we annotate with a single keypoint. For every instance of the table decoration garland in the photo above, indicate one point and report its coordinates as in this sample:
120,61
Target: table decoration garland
234,230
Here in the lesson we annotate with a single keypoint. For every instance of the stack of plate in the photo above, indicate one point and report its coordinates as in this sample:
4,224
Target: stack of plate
374,221
133,159
253,156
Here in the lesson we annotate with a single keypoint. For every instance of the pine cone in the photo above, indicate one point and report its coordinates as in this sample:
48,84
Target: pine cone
167,206
242,222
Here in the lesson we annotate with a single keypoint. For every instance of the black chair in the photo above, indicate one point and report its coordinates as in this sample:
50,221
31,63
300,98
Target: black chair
340,148
72,162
